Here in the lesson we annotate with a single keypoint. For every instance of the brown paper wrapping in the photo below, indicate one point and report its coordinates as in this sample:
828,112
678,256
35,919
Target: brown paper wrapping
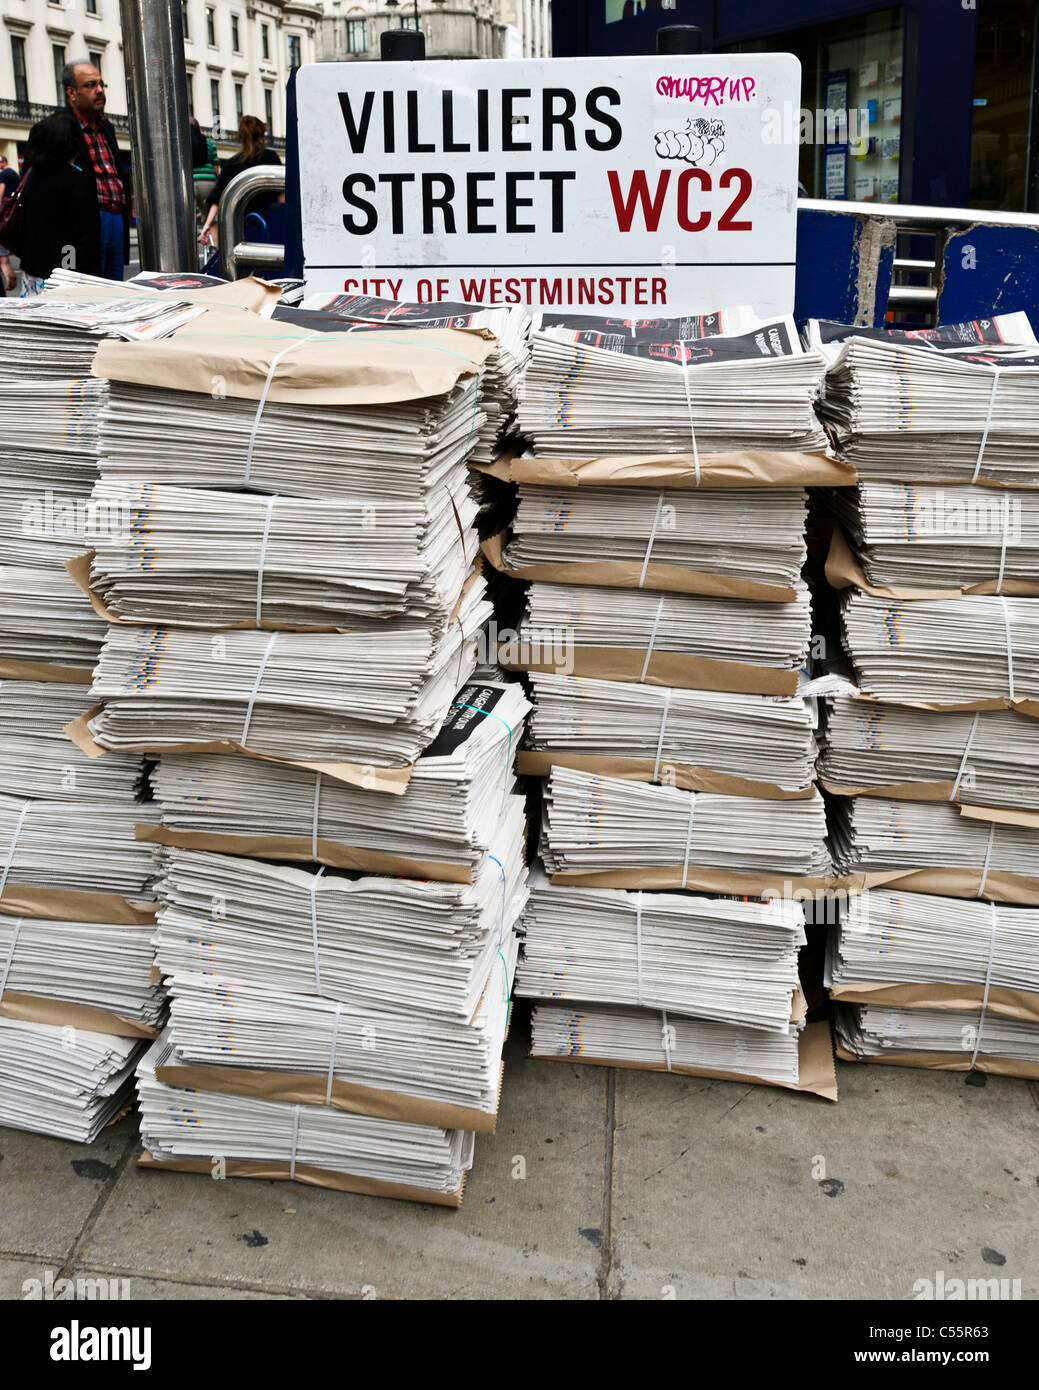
896,791
948,1061
300,848
698,879
628,574
1000,814
752,468
1026,706
45,671
942,998
537,763
61,1014
1000,886
665,668
378,368
306,1089
843,571
817,1073
382,779
73,905
311,1177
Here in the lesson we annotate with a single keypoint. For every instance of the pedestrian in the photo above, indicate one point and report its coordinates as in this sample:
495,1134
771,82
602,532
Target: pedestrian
252,138
8,177
203,165
98,156
60,223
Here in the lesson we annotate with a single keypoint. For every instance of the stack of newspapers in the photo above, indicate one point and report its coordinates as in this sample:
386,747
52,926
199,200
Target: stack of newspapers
500,377
913,536
928,749
935,982
597,388
295,612
665,631
952,405
78,1000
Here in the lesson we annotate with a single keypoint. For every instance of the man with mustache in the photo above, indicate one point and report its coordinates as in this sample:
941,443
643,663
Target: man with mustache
101,160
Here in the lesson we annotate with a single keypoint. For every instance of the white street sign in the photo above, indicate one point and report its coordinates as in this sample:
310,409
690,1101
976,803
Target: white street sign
659,186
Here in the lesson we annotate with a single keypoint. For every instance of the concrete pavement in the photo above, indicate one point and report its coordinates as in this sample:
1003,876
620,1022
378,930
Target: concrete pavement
637,1185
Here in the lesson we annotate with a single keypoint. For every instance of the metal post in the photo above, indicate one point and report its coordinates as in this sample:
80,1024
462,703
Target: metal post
680,38
153,50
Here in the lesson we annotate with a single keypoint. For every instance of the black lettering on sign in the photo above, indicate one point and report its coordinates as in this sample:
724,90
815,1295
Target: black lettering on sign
592,103
357,132
352,224
550,118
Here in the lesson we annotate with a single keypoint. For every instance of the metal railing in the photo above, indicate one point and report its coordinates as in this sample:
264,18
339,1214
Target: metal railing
235,251
913,220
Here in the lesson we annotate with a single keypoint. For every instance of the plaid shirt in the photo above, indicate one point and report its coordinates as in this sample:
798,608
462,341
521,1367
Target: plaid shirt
110,194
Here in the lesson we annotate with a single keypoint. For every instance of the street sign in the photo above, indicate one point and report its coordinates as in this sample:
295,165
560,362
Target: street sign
656,186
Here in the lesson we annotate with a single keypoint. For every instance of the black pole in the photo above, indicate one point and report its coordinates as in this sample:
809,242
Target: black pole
402,46
680,38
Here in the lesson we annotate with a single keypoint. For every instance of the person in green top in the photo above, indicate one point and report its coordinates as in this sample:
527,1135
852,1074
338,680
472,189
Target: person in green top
204,165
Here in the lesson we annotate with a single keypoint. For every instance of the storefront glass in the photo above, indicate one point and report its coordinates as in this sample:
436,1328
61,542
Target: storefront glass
1003,84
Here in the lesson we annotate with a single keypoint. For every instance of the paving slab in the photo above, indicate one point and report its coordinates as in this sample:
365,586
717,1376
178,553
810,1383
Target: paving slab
729,1191
48,1187
532,1236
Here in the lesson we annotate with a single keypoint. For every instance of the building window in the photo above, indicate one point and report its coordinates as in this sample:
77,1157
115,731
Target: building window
408,21
235,40
191,93
185,23
210,26
21,81
58,54
214,100
356,36
265,39
239,102
95,60
268,102
91,6
295,54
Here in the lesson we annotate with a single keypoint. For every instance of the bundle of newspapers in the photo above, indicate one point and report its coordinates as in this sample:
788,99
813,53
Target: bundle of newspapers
50,404
270,1138
715,958
754,632
190,556
665,1041
371,697
96,965
368,454
752,535
45,620
956,981
447,814
881,835
595,824
946,651
954,404
68,1092
500,376
408,945
984,758
37,759
593,389
761,738
918,536
85,845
